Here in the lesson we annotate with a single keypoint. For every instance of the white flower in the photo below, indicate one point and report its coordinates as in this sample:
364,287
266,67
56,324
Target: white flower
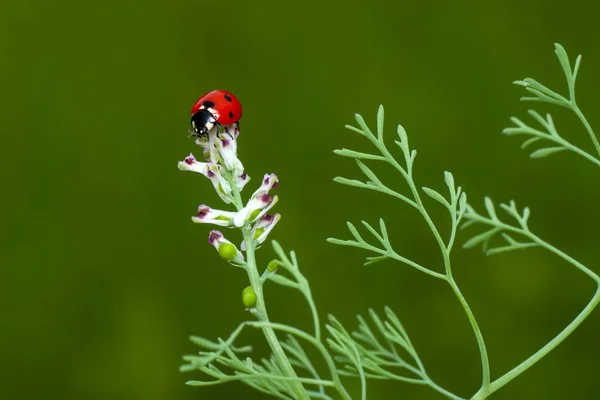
263,227
227,148
260,202
256,208
241,181
202,141
212,172
221,147
207,215
207,142
226,249
190,164
270,181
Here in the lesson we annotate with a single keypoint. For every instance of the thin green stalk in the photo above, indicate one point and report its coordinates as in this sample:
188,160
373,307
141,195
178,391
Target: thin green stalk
315,315
269,333
257,286
485,365
537,356
426,379
337,383
587,125
440,389
577,150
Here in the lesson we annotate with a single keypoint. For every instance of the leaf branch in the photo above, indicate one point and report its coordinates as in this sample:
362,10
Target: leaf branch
542,93
455,203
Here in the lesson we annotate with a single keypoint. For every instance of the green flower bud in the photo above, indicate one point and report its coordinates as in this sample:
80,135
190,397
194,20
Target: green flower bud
227,251
272,266
249,297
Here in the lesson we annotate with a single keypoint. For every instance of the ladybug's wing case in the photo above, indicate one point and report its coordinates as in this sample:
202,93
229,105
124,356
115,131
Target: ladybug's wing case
231,109
224,106
207,101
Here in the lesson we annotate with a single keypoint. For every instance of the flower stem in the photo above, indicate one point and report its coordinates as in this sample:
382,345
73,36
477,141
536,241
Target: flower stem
268,331
261,309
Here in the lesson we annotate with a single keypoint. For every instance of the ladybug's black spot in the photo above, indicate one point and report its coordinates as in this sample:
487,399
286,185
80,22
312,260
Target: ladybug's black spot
230,114
227,97
208,104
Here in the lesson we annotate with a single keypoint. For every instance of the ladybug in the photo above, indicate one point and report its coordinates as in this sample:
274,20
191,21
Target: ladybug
215,108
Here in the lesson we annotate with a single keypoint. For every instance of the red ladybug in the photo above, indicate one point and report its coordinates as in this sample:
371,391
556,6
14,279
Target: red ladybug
215,108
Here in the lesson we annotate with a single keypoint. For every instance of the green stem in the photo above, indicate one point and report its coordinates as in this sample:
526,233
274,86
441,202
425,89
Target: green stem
257,285
315,314
318,345
587,125
262,315
485,363
407,174
537,356
577,150
441,390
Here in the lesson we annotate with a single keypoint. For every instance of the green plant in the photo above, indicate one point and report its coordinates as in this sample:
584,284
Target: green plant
380,348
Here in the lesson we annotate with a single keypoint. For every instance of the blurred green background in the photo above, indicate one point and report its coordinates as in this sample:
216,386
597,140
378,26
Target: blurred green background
102,274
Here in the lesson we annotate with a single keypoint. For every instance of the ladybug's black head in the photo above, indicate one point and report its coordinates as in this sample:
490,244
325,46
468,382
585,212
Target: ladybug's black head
202,122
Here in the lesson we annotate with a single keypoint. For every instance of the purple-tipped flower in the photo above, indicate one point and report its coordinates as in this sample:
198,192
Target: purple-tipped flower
191,164
256,208
260,202
207,215
263,227
242,180
212,172
226,145
270,181
221,147
226,249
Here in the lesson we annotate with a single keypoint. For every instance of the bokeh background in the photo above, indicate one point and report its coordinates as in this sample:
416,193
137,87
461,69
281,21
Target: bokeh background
102,274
